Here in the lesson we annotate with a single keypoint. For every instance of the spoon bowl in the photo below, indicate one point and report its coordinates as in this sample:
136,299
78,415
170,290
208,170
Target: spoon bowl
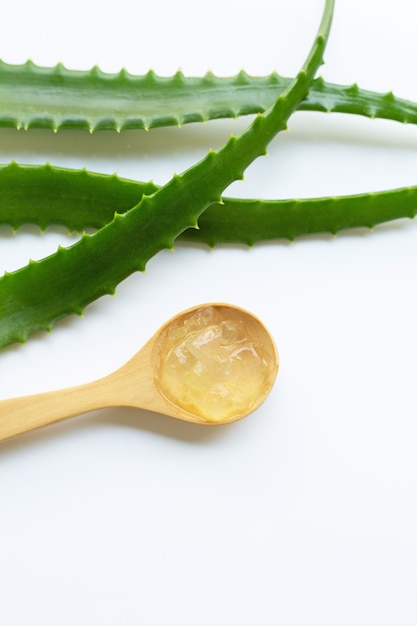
211,364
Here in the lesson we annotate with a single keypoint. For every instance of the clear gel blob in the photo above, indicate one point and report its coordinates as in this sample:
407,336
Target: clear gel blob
215,362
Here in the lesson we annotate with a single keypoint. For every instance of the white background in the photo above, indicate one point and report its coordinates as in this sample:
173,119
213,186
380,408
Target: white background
305,512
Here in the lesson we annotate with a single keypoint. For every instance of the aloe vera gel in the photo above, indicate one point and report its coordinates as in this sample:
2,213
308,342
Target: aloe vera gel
215,362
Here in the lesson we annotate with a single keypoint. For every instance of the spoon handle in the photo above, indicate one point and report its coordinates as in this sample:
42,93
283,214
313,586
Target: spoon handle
22,414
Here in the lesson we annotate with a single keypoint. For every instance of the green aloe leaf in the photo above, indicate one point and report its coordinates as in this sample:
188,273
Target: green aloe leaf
36,296
78,199
57,98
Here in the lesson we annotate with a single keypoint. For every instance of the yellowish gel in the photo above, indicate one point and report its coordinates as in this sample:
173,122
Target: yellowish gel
212,363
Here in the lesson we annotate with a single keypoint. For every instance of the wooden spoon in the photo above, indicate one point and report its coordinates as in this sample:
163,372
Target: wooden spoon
212,364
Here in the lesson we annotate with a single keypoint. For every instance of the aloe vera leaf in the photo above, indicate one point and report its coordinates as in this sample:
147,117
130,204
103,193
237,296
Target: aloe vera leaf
35,297
77,199
251,221
56,98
